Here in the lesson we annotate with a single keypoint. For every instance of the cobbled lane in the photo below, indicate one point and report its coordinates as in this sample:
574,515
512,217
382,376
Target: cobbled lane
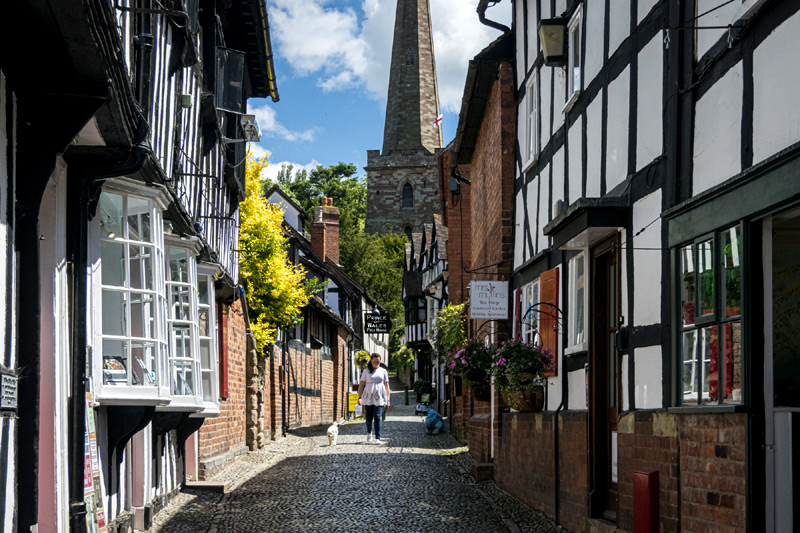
412,482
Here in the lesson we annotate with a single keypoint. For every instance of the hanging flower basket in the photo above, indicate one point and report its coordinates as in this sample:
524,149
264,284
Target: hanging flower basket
525,400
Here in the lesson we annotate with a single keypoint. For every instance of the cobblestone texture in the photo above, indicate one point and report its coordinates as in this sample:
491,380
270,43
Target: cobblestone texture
413,482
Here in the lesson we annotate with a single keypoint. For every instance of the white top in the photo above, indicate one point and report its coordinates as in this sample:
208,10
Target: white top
374,392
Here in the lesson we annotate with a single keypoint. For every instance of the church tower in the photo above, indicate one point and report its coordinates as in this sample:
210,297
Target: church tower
402,179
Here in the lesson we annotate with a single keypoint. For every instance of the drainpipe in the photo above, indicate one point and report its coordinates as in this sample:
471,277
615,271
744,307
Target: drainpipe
555,452
482,6
89,175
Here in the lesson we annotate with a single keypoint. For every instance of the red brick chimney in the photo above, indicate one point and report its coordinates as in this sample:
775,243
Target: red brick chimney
325,231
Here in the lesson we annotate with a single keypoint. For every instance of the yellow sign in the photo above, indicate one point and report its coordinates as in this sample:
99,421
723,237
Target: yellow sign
352,401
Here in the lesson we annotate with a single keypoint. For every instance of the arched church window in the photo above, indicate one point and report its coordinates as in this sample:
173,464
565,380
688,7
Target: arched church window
408,196
410,58
407,232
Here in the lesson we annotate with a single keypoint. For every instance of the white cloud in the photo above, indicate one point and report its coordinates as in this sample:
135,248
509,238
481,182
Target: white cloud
271,172
331,44
270,127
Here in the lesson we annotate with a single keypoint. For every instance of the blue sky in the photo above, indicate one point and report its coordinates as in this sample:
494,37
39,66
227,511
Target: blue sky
332,64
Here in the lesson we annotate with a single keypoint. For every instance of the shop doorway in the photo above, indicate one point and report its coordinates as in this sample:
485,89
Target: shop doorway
781,260
604,370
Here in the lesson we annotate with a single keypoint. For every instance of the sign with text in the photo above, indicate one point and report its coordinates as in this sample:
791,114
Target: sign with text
9,392
352,401
377,323
488,299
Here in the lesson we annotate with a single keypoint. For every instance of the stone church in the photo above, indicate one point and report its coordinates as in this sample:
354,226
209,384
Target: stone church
402,179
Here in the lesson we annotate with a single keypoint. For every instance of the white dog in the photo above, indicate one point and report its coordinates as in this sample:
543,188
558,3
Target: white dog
333,433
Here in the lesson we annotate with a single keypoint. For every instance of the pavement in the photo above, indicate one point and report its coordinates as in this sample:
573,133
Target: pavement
411,482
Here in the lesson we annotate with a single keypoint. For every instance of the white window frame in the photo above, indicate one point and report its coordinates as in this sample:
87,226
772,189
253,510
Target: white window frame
529,325
574,61
531,103
575,286
205,275
194,400
156,393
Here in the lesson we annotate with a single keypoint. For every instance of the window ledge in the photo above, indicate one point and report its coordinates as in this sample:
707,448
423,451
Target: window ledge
577,349
529,165
119,400
186,406
707,409
570,102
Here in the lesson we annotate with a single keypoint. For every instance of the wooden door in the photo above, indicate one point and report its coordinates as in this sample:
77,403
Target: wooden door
604,369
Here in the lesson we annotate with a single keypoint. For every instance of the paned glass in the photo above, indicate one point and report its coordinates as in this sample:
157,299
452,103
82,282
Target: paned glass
208,385
579,326
689,367
142,319
732,270
179,296
112,256
687,286
183,378
115,362
142,267
179,265
203,315
705,277
139,219
114,313
733,365
143,361
709,351
110,211
202,290
182,342
205,354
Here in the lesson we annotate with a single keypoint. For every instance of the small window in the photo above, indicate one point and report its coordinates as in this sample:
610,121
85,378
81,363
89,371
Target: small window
529,310
182,321
577,303
408,196
410,58
574,66
532,119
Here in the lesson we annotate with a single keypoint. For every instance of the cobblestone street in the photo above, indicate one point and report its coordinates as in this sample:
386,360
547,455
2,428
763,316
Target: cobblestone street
412,482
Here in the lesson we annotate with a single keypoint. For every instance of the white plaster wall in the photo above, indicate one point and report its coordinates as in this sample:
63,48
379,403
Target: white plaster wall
617,134
717,134
4,180
532,199
558,178
545,78
594,18
647,263
721,17
561,6
10,483
594,132
623,361
577,390
290,214
648,379
649,138
544,209
546,11
519,229
533,33
555,383
559,96
521,133
776,114
644,8
619,23
575,139
519,21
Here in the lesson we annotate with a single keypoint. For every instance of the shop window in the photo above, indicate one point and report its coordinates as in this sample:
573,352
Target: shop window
182,321
129,322
207,326
710,282
577,304
574,65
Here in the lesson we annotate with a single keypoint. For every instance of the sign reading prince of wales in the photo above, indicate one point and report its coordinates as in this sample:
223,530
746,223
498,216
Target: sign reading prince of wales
488,299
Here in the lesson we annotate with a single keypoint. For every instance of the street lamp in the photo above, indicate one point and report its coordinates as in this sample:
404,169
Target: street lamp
553,36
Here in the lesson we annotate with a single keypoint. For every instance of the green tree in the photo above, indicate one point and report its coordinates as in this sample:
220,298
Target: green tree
276,290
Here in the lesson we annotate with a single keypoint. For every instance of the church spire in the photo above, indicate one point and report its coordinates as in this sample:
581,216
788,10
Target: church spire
412,104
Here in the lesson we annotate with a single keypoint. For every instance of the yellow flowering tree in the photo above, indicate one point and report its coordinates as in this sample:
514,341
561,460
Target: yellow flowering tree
276,290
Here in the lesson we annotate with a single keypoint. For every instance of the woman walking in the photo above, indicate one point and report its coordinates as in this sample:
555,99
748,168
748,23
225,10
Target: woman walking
373,394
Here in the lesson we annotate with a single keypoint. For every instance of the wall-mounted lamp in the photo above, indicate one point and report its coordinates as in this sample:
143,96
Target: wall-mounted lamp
455,180
553,36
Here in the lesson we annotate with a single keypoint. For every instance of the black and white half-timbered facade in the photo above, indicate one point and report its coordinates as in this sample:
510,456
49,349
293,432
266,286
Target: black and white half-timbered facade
122,143
658,182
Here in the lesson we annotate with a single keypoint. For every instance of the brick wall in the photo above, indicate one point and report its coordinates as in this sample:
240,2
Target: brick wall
221,438
457,218
712,472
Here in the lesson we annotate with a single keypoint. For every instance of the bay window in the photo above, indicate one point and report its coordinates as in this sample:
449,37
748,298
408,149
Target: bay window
183,321
207,327
710,319
129,322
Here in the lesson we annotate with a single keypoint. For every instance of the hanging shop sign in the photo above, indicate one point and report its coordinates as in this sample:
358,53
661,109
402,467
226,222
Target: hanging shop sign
8,400
377,323
488,299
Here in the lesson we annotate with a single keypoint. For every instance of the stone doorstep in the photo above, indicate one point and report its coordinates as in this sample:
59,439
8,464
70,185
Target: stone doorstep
219,487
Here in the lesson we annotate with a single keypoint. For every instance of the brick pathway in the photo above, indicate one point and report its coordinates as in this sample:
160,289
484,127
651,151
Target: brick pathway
413,482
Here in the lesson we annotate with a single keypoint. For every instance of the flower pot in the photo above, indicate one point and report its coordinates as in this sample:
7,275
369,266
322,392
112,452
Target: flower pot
527,400
476,375
481,392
